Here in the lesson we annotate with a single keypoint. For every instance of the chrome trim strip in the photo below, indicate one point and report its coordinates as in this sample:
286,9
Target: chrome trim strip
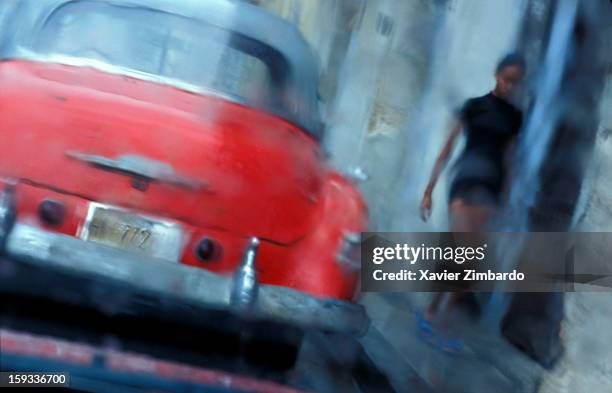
139,167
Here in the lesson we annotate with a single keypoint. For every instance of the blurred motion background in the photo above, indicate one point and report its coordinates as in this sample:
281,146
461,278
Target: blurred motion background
393,72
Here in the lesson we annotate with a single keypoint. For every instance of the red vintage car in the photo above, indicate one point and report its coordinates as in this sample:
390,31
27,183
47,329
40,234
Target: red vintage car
175,146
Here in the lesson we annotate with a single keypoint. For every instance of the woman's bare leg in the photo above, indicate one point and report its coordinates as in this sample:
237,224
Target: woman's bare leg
432,310
467,218
463,218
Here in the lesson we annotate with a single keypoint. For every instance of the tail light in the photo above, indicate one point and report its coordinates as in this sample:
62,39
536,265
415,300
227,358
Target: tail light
52,212
207,250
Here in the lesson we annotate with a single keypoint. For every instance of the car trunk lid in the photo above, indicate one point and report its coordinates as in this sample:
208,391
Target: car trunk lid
155,148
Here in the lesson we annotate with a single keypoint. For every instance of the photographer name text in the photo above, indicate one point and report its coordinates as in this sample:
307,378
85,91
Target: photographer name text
411,255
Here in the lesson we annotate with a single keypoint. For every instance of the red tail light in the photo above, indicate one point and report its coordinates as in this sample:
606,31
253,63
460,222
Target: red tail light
52,212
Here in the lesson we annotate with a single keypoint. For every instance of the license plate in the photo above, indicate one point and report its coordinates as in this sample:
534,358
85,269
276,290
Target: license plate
132,232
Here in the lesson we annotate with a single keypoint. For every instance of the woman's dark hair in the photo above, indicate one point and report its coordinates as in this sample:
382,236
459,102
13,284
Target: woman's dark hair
511,59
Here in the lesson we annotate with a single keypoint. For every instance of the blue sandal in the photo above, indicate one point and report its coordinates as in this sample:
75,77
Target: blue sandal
429,335
426,331
424,325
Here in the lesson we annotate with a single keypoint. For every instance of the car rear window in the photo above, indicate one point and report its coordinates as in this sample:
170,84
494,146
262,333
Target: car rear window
166,45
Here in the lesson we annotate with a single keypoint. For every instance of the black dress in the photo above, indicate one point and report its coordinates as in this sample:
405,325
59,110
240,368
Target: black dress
490,123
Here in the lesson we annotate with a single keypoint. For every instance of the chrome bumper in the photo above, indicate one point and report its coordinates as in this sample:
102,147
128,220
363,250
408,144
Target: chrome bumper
52,251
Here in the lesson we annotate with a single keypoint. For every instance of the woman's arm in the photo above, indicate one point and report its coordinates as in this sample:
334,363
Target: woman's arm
445,153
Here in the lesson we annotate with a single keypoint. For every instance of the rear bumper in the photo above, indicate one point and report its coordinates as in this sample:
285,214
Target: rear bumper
50,251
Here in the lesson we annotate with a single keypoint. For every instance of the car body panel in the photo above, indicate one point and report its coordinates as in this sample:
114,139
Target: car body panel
72,109
220,168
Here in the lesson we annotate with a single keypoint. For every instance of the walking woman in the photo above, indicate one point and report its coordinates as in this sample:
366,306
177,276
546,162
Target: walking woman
480,176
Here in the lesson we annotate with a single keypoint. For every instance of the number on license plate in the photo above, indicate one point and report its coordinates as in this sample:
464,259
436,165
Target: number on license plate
133,232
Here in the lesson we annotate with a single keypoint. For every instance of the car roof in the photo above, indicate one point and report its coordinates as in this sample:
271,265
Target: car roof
233,15
241,17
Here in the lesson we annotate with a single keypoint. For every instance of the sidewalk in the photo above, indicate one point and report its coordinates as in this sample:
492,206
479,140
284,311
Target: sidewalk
587,364
487,362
